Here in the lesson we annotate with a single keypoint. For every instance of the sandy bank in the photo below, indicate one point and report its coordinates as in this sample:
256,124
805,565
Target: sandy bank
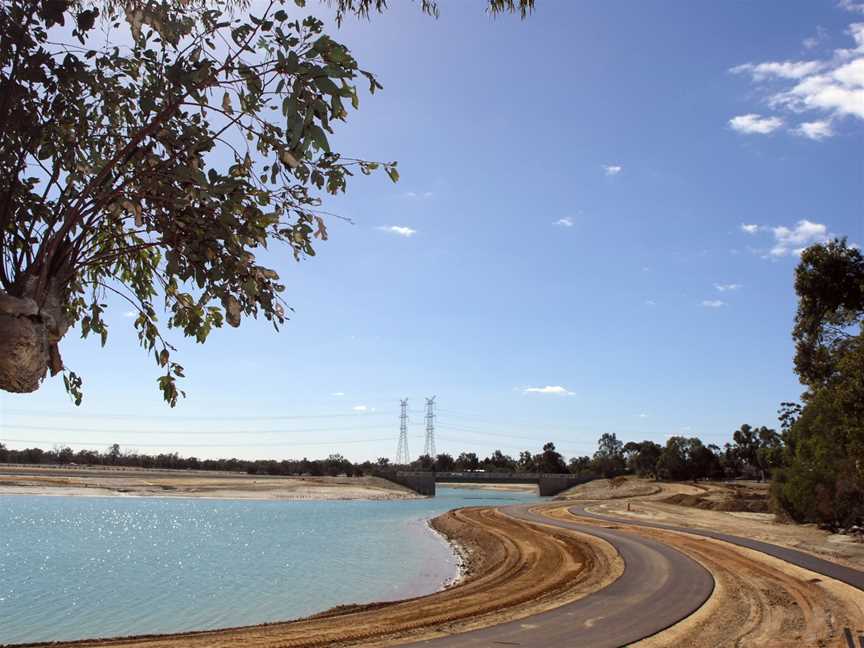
513,570
686,505
758,600
96,482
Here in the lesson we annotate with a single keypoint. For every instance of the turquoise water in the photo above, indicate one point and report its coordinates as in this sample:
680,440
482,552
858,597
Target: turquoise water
75,567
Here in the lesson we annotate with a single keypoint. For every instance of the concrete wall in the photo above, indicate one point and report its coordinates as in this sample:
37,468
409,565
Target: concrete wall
424,482
420,482
553,484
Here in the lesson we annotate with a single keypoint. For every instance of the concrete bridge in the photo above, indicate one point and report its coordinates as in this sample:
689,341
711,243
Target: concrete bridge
424,482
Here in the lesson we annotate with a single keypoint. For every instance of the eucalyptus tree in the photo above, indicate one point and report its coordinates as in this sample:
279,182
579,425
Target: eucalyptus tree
158,170
822,478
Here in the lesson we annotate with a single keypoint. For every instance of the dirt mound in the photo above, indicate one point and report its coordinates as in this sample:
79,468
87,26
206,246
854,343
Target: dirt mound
728,504
615,488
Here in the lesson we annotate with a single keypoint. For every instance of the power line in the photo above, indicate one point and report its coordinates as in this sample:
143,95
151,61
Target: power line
16,412
201,445
511,423
51,428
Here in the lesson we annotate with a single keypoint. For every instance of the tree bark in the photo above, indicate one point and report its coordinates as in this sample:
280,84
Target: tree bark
29,338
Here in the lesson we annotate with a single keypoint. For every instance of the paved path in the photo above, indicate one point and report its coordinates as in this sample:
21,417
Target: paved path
659,587
853,577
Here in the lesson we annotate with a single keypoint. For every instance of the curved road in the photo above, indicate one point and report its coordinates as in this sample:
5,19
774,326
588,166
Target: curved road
853,577
659,587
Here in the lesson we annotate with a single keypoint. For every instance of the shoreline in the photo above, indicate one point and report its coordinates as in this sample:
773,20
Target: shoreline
94,482
510,571
16,491
458,554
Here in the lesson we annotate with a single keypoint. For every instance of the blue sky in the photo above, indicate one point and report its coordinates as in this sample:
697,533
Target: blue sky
595,231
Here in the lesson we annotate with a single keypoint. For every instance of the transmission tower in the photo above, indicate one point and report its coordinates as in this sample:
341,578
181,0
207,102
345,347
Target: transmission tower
402,457
429,448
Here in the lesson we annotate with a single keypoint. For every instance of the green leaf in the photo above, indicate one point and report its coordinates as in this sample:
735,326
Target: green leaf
327,86
86,20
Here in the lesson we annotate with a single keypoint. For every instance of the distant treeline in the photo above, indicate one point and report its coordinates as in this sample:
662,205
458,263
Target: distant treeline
753,453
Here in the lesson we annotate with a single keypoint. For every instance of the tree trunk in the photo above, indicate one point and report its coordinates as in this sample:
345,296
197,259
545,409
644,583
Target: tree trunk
29,336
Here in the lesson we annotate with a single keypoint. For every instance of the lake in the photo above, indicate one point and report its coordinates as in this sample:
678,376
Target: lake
80,567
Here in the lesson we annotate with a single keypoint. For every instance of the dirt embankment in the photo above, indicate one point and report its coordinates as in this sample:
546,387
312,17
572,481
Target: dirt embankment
736,508
607,489
758,601
95,482
514,570
743,497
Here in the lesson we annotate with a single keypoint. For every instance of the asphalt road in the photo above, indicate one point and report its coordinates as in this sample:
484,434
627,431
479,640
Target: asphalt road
659,587
850,576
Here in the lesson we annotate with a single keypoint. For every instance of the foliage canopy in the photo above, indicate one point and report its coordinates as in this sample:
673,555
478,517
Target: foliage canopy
160,171
824,476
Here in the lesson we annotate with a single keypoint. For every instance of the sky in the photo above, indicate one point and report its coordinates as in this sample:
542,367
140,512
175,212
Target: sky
596,229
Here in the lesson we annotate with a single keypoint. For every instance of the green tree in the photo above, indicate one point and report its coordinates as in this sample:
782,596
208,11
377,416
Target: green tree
551,461
580,465
424,463
159,172
114,453
684,458
500,462
467,461
526,462
823,475
444,462
642,457
609,458
65,455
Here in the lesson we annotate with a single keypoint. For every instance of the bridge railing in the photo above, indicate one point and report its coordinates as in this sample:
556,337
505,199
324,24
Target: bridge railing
494,476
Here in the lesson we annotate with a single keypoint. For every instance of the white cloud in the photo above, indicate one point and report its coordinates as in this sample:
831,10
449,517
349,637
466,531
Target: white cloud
564,222
727,287
612,169
839,93
779,69
752,123
360,408
849,5
793,240
130,313
399,230
338,394
815,130
548,389
642,415
813,42
650,302
418,194
713,303
832,88
787,240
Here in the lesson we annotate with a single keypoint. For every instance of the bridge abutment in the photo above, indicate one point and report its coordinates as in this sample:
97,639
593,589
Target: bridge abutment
423,483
